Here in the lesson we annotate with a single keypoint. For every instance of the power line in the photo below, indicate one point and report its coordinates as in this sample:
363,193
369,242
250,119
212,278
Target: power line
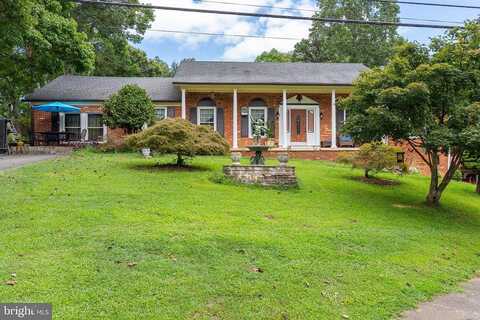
311,10
274,16
223,34
432,4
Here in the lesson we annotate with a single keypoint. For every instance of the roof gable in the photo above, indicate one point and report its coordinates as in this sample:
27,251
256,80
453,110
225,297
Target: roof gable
85,88
204,72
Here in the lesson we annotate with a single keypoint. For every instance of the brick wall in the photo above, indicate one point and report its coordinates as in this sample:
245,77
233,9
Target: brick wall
413,160
41,121
273,100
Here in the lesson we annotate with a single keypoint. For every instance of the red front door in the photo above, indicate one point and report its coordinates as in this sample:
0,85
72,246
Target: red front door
298,125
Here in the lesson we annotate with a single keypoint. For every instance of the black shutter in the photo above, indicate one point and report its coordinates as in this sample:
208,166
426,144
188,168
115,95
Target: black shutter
3,135
220,121
340,119
55,116
193,115
244,126
271,120
171,112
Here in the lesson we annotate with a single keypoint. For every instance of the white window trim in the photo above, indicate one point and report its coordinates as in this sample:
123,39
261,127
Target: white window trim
84,125
161,108
265,112
214,115
102,127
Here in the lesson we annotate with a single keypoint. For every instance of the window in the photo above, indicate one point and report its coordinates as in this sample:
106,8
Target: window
72,125
341,118
207,113
95,127
311,121
256,113
160,113
207,117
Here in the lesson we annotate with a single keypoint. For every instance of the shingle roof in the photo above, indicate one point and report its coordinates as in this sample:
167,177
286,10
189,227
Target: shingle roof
203,72
83,88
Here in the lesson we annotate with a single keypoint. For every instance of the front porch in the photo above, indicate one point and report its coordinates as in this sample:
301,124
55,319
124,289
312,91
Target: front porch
301,118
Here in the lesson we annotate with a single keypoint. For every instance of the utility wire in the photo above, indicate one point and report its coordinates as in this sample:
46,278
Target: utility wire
223,34
311,10
432,4
275,16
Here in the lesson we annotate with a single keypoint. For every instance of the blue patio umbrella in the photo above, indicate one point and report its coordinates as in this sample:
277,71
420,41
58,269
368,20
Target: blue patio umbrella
56,107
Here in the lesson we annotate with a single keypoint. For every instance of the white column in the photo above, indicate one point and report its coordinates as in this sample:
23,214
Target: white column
334,120
184,104
61,116
234,119
84,123
284,120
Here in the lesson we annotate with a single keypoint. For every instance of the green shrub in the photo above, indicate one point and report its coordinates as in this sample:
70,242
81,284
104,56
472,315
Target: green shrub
373,157
181,138
129,109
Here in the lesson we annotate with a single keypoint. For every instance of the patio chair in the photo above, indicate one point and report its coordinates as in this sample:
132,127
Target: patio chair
345,141
83,135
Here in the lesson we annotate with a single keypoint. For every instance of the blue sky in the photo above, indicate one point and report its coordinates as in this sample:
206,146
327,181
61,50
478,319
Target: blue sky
174,47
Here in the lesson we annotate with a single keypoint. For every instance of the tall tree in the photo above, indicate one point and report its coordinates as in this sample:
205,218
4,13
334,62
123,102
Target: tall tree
429,99
38,41
112,31
335,42
131,62
274,56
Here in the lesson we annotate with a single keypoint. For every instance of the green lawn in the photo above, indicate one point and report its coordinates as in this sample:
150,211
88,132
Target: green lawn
336,247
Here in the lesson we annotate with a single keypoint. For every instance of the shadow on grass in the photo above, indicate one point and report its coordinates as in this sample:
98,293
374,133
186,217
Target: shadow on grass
167,167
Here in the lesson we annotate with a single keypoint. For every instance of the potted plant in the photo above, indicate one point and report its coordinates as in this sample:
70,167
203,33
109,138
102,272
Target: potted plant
259,130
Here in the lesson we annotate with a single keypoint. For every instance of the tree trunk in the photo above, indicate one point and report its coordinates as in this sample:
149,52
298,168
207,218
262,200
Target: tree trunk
433,197
478,184
434,193
367,173
180,160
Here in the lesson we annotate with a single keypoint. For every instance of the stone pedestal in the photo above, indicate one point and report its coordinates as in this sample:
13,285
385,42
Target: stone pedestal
262,175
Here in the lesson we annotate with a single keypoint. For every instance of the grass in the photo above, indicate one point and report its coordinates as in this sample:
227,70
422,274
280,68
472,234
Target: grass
111,237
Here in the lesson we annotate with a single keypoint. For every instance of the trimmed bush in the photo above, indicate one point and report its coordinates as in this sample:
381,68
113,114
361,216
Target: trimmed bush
181,138
372,157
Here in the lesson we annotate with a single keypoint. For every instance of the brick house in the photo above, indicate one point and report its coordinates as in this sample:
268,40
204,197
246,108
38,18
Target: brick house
297,100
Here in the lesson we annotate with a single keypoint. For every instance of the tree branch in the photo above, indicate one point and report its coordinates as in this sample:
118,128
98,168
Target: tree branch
412,144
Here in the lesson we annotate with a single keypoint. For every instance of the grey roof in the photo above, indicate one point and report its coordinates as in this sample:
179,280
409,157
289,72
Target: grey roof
203,72
83,88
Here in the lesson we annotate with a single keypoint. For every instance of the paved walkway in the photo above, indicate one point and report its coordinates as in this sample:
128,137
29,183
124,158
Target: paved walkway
454,306
8,162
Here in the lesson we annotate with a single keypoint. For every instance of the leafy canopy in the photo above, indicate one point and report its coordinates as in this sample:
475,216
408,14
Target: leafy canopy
38,41
130,109
274,56
181,138
112,30
336,42
428,98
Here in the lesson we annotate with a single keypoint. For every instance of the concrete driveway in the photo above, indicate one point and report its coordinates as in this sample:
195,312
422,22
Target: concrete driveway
454,306
9,162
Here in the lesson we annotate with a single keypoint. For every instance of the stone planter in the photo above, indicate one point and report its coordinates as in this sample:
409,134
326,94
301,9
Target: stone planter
268,176
283,159
236,156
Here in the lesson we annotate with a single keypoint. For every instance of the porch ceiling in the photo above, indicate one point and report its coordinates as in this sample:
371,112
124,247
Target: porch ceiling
262,88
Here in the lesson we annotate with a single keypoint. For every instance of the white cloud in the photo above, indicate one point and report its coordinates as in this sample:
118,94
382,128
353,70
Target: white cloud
236,48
